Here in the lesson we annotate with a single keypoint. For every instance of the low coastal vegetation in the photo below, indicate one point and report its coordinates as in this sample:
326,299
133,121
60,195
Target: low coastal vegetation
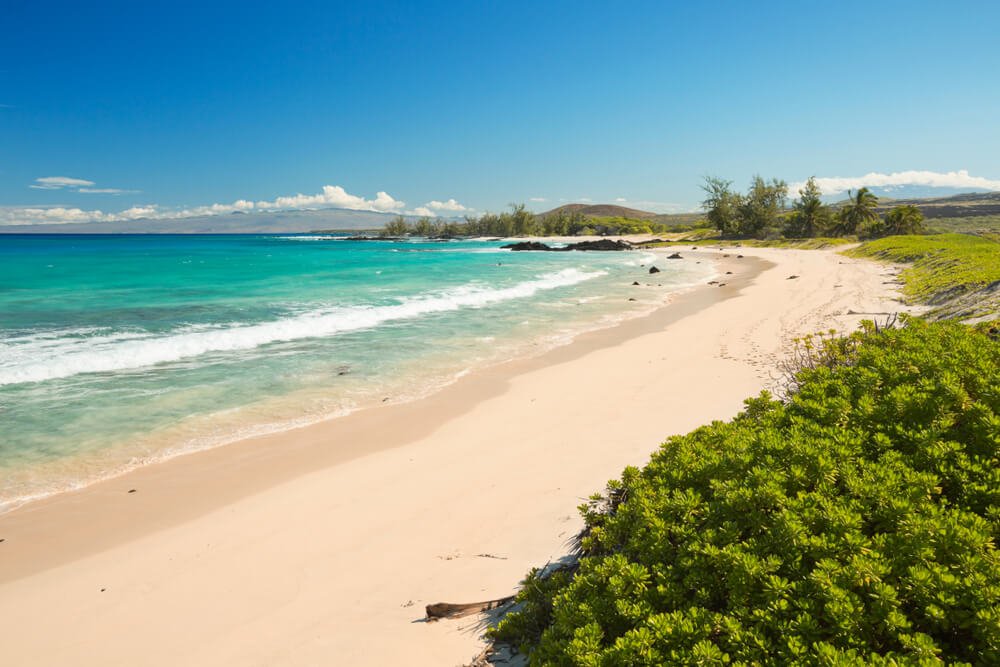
762,213
854,522
959,274
519,221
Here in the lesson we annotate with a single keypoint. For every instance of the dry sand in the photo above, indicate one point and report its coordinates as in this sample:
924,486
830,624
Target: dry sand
322,545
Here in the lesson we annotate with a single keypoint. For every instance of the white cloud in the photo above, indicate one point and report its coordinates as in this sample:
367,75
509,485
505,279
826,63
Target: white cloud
538,199
620,200
332,196
55,214
450,205
832,185
70,184
59,182
433,208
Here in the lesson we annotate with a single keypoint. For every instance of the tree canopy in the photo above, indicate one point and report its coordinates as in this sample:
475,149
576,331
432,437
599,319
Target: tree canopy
858,213
810,216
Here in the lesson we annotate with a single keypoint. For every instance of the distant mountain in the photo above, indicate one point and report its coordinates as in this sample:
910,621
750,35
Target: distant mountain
964,205
910,192
601,211
281,222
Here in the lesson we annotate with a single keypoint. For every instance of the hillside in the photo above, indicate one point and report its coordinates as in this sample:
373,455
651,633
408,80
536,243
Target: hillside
601,211
967,205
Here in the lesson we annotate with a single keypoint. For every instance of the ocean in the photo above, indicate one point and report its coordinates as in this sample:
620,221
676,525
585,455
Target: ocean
118,351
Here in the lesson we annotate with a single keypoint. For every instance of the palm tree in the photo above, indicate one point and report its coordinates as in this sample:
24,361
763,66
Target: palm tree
859,211
904,220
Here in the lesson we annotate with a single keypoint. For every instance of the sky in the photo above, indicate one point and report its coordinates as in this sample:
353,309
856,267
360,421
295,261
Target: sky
116,110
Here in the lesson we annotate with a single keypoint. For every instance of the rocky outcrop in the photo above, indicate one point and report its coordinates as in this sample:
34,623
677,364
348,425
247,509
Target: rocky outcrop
528,245
602,244
599,245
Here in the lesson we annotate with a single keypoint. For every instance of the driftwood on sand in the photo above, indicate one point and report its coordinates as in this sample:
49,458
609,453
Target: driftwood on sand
440,610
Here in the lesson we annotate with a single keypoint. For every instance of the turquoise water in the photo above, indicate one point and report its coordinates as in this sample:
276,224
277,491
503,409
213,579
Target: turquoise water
120,350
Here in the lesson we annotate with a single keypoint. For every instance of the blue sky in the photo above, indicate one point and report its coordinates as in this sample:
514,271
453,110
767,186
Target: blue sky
167,107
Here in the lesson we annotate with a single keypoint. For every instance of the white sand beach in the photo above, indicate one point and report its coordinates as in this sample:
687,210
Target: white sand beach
323,545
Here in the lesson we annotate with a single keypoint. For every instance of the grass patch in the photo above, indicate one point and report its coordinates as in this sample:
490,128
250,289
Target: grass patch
942,266
817,243
981,224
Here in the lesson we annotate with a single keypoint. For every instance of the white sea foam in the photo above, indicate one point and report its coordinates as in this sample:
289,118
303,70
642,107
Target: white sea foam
40,358
312,238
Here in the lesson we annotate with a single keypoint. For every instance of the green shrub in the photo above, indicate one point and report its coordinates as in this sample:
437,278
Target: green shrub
853,524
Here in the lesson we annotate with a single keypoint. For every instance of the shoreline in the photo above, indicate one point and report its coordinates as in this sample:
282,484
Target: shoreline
325,542
534,347
453,398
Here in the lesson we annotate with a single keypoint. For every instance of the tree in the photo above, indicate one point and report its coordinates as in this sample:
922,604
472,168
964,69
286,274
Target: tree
811,215
395,227
858,213
721,204
423,227
761,208
522,220
906,219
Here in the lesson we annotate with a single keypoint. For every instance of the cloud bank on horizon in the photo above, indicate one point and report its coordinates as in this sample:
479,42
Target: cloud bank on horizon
331,196
835,185
335,196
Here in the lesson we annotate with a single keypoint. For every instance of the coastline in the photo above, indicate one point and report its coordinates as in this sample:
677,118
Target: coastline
212,420
309,544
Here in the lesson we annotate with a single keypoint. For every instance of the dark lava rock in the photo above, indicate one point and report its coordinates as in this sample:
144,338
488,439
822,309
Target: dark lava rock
676,255
526,245
603,244
635,283
793,277
653,269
